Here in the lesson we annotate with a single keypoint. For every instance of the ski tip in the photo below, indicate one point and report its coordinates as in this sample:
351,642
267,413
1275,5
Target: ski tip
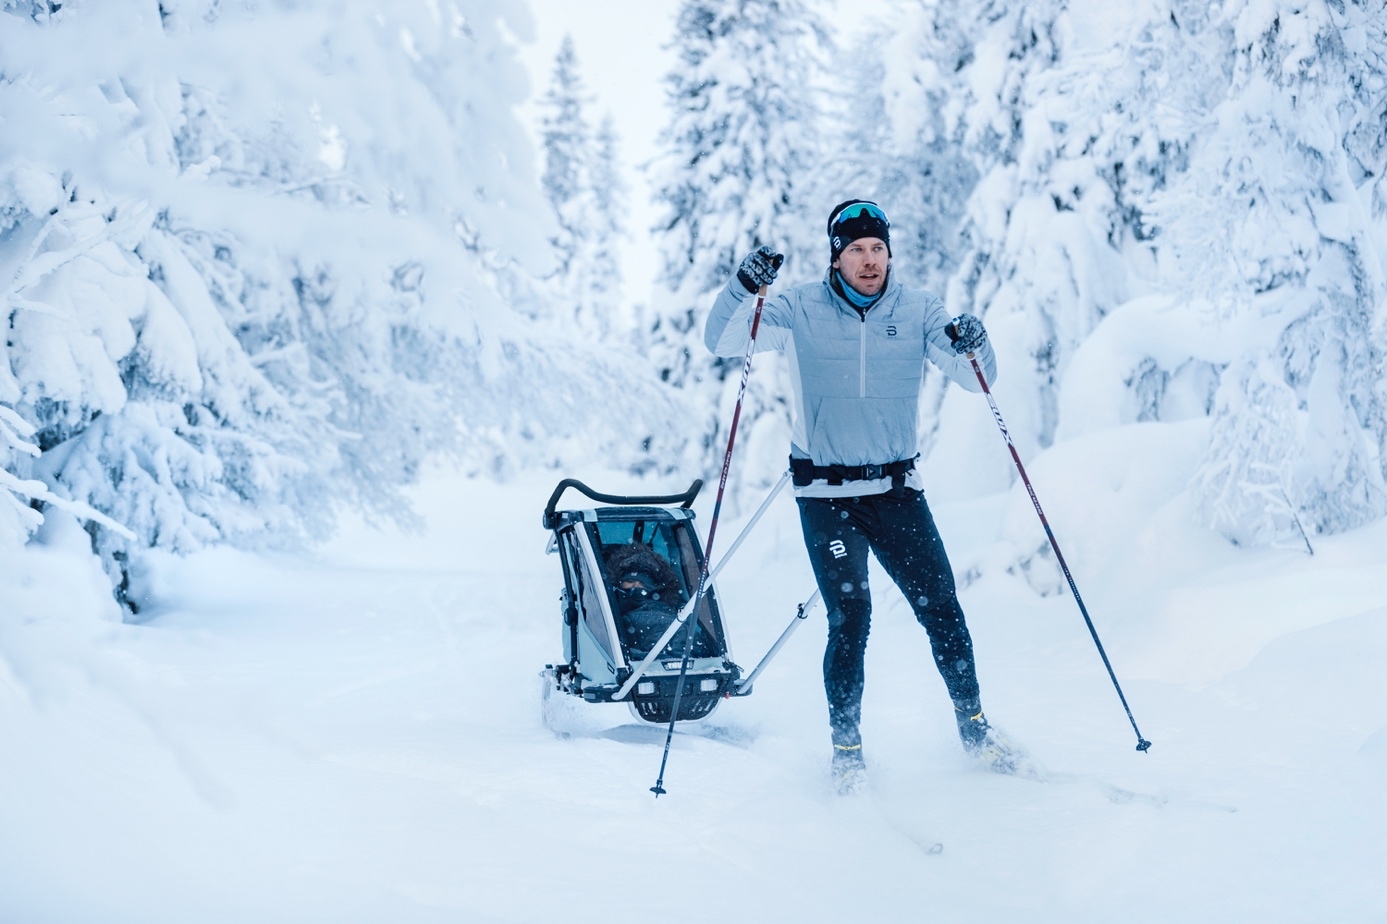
1143,745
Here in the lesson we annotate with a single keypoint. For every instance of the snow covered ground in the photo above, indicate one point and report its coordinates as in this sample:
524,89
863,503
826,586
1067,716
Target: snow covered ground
355,736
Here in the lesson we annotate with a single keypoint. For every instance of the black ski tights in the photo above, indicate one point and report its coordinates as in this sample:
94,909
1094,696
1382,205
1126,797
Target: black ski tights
899,530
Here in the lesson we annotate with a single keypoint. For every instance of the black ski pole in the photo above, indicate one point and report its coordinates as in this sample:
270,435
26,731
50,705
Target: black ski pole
658,789
1142,743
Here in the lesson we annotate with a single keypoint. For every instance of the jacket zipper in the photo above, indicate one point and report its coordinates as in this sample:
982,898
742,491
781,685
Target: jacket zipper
862,362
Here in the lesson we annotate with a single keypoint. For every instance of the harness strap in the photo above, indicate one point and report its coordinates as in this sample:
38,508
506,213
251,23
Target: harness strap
805,472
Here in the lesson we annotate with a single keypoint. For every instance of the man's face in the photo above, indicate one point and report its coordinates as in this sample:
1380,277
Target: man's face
863,264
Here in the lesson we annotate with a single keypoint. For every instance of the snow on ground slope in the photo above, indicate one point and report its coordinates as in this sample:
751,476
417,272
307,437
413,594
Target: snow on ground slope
356,736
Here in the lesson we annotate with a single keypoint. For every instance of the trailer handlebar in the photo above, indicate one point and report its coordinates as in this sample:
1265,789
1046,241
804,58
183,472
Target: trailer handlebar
684,500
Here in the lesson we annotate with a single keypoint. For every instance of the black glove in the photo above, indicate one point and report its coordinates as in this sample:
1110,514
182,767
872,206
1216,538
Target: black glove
967,333
758,269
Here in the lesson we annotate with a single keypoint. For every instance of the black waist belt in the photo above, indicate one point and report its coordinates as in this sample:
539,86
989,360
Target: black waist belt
804,471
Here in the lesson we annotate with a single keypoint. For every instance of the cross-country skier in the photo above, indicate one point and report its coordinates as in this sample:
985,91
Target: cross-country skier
856,344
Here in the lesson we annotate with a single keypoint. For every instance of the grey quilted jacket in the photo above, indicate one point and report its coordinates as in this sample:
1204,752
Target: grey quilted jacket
856,376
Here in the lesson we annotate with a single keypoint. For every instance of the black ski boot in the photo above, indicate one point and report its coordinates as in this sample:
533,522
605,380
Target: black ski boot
984,743
849,770
972,725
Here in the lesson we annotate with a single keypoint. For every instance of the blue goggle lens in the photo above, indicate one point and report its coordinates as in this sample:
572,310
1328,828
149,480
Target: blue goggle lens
858,209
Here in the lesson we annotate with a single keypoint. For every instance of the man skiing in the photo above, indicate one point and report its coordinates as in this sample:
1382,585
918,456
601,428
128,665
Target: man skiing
856,344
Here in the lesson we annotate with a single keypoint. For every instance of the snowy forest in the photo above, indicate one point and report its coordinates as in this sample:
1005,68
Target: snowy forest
267,263
251,282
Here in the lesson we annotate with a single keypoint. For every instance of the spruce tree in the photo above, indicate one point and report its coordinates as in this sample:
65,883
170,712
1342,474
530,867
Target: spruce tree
738,154
598,271
567,141
582,181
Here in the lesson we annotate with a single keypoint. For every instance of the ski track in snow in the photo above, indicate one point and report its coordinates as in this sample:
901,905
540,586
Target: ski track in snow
356,736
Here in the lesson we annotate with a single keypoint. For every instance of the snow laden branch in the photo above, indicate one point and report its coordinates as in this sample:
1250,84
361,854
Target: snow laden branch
1200,190
261,262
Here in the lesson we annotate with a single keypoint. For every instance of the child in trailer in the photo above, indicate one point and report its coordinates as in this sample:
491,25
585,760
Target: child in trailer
648,596
856,343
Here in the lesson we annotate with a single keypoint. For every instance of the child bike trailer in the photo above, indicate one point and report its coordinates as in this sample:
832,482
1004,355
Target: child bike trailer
631,570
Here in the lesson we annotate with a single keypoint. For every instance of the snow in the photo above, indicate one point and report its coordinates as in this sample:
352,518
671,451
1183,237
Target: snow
355,735
267,262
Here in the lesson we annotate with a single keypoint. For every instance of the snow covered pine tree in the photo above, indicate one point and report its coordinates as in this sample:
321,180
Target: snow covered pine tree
1185,195
738,153
582,181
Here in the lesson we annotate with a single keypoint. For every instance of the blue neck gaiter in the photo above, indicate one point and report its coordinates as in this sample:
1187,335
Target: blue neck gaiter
854,297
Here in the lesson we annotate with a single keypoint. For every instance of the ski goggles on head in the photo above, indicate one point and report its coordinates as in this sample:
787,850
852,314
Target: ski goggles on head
859,210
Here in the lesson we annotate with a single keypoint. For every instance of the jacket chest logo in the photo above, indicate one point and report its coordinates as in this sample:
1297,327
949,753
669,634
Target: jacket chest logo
891,330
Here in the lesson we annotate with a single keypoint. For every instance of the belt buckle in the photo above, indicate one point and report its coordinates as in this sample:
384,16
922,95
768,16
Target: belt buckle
873,471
